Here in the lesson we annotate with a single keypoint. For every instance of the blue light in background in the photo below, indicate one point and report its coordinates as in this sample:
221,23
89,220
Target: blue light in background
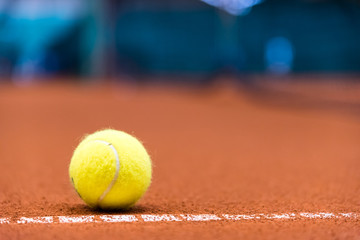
31,27
234,7
279,55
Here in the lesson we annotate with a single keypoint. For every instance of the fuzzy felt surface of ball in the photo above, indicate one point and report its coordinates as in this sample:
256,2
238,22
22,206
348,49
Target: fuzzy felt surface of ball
110,169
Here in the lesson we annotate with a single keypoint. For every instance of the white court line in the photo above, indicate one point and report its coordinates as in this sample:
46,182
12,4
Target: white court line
129,218
160,218
4,220
24,220
118,218
76,219
200,217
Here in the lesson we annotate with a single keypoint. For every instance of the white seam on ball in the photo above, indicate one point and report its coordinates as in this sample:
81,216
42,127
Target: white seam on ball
116,172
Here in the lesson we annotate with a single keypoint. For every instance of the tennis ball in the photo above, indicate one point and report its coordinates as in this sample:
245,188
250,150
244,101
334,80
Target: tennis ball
110,169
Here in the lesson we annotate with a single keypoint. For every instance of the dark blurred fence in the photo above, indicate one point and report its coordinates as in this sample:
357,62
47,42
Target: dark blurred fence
102,38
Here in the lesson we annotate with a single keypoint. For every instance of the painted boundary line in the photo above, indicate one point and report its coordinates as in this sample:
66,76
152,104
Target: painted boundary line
175,218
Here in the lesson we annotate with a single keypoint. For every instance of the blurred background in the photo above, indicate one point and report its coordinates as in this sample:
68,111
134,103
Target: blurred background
90,39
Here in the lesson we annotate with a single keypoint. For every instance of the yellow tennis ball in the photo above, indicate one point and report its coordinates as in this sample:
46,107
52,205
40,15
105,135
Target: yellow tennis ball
110,169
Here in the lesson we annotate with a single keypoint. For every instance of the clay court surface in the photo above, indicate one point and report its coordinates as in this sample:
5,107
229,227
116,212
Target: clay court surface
228,162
